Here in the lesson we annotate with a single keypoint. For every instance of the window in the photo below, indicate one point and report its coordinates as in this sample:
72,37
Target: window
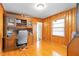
58,27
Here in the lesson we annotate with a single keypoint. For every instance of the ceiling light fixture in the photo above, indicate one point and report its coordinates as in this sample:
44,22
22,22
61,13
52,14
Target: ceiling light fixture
40,6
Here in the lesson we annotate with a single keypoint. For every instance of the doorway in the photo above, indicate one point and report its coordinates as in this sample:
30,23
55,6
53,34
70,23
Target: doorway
39,34
39,31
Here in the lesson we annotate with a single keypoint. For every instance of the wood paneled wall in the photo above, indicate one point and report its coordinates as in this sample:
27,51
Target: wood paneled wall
35,20
1,26
70,18
69,15
46,32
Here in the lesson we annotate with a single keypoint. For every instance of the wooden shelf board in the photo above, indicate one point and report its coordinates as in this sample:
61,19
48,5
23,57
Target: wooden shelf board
24,27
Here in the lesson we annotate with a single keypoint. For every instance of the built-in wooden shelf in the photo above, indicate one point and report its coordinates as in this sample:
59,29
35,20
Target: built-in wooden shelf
23,27
11,27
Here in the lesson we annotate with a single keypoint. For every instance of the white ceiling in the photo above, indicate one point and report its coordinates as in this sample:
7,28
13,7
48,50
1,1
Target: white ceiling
29,8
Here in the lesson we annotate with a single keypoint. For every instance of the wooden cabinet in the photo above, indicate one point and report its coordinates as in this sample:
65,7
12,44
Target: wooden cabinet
30,40
12,25
9,33
10,43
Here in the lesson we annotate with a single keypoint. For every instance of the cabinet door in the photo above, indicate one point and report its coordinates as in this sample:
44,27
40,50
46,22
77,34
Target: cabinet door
30,39
10,43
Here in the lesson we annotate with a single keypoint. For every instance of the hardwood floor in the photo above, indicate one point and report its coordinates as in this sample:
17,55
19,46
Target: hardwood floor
41,48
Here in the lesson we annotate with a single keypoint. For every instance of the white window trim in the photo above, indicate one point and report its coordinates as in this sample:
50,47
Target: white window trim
58,27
